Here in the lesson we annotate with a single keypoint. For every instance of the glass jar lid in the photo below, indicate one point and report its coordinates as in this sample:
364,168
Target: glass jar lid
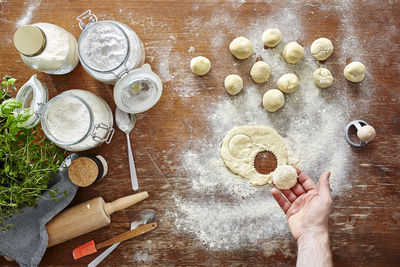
66,119
103,46
34,95
29,40
138,91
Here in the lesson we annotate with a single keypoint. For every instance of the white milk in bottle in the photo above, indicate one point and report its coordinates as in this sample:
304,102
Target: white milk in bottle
47,48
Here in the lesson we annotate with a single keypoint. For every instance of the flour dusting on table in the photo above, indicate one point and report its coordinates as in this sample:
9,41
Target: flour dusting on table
26,17
224,211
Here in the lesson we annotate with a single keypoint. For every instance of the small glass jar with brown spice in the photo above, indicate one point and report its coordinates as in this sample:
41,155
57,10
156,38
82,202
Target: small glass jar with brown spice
87,170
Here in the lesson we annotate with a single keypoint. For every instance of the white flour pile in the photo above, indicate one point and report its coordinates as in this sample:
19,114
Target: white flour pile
311,122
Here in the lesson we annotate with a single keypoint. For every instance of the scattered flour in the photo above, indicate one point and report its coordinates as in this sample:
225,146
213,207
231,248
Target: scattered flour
143,257
164,64
238,3
27,16
225,212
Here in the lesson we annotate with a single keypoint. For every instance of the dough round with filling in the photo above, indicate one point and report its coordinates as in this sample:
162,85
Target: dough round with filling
321,48
293,52
323,78
233,84
271,37
284,177
241,146
260,72
288,83
241,47
354,72
200,65
273,100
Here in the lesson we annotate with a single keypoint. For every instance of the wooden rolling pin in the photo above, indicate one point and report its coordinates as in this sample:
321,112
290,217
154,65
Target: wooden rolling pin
86,217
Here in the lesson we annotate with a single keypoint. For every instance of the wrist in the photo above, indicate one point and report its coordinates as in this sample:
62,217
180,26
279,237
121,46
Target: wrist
314,249
312,233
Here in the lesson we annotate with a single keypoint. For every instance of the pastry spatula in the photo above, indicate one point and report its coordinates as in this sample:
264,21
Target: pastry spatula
91,247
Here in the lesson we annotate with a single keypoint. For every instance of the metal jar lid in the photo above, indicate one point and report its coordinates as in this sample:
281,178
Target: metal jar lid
138,91
29,40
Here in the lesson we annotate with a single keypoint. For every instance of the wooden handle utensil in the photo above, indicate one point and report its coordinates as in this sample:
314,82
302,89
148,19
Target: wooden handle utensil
86,217
91,247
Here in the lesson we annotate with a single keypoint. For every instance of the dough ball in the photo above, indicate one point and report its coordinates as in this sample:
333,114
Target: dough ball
241,47
273,100
293,52
284,177
323,77
321,48
354,72
260,72
271,37
366,133
233,84
288,83
200,65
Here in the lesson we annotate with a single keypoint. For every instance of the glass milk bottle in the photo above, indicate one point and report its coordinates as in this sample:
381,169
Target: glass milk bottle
108,49
47,48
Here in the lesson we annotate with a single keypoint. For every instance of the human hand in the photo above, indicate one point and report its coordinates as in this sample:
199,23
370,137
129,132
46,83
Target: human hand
307,206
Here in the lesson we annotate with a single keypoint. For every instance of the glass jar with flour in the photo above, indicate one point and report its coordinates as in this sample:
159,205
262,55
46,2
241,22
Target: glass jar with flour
47,48
108,49
112,53
75,120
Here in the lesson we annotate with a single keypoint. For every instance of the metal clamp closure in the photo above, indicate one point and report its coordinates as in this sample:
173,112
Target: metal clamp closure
107,138
122,73
40,109
39,112
85,15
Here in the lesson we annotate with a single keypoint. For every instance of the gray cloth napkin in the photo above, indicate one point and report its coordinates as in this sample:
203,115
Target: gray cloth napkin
26,242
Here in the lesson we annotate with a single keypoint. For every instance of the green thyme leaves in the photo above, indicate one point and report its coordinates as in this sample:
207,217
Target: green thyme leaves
27,158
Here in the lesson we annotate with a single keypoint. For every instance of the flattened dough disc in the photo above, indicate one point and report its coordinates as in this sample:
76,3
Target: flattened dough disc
241,146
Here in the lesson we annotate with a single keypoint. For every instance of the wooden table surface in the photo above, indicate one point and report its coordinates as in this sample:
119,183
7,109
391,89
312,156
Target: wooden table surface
164,28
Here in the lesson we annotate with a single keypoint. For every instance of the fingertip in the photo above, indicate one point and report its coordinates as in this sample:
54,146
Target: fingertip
325,175
297,169
324,183
276,194
275,191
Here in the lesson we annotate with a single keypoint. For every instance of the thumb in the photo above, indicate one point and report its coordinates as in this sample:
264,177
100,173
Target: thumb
324,188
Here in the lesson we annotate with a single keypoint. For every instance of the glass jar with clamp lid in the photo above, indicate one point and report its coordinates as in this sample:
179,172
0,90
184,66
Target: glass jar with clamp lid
112,53
75,120
108,49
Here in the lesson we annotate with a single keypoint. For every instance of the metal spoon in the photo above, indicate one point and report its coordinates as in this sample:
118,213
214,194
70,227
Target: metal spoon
142,217
125,123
